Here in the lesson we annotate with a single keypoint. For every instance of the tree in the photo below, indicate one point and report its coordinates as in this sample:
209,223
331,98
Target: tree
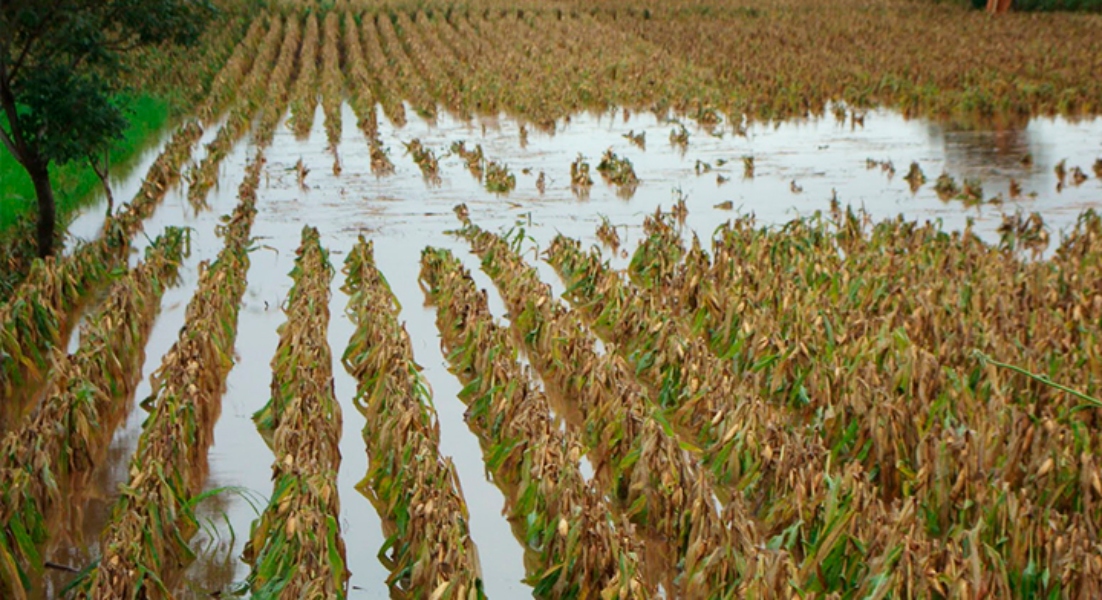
60,67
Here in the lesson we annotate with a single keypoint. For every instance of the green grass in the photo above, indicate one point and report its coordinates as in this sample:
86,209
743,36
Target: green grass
75,183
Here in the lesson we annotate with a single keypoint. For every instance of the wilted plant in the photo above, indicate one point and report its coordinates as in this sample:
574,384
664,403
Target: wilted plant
580,549
618,171
474,159
946,187
639,140
425,159
51,456
915,178
415,490
146,541
679,137
295,547
498,178
580,181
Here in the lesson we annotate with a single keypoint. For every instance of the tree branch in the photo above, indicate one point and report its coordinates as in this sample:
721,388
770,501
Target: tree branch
33,37
4,137
14,140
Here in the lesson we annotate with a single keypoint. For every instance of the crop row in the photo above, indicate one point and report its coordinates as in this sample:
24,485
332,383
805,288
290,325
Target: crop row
416,492
49,458
250,99
649,472
809,403
575,547
304,98
295,548
146,542
39,315
795,58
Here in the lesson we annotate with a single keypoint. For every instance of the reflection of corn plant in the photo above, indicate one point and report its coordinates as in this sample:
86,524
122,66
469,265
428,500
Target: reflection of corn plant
415,491
295,547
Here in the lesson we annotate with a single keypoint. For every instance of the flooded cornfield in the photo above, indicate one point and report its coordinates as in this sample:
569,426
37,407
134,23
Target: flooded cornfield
387,346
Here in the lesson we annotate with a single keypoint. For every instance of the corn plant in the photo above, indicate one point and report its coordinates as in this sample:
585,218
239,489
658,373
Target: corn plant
50,457
415,490
295,548
145,544
578,552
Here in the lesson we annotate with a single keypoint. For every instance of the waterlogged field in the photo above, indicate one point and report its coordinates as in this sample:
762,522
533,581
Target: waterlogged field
424,304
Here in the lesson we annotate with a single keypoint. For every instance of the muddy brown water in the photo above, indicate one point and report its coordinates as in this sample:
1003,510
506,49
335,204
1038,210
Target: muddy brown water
403,214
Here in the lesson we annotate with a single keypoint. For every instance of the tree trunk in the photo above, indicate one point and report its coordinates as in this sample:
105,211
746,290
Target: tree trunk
47,212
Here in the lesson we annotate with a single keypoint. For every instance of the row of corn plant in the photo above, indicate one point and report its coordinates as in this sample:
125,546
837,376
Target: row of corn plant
145,544
295,547
388,89
443,61
223,90
428,547
250,99
1026,442
689,382
413,84
304,98
651,474
437,81
162,175
460,48
748,447
331,79
577,548
358,80
49,459
279,84
41,313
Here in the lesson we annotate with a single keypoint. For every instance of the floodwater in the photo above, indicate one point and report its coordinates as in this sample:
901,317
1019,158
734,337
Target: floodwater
799,165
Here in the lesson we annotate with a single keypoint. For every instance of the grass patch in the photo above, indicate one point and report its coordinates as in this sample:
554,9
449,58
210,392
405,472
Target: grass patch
75,183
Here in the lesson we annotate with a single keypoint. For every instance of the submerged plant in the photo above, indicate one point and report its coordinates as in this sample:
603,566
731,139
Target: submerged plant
295,548
580,181
915,177
946,187
428,548
498,178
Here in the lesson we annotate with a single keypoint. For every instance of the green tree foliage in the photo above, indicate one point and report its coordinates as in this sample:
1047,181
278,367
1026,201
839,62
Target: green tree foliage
60,62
